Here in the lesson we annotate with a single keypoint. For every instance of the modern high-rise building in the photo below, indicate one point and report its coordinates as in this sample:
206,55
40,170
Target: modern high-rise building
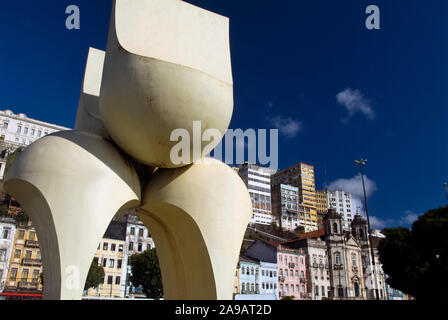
258,182
301,176
342,202
17,130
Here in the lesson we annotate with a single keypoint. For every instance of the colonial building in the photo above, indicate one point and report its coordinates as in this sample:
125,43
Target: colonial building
265,273
292,273
17,130
317,267
7,234
110,254
25,264
373,281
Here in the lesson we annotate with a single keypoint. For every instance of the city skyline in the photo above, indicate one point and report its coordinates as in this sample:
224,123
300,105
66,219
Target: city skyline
335,93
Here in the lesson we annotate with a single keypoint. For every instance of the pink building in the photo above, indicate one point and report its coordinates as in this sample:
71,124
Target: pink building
292,273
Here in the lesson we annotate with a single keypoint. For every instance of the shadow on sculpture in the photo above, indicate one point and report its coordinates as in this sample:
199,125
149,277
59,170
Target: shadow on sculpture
167,64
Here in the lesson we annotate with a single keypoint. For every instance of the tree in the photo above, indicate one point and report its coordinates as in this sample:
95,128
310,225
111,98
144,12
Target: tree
416,260
300,229
146,272
287,298
11,158
95,276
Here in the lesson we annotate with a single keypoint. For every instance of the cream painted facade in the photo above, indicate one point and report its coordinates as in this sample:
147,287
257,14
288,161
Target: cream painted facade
7,236
111,256
17,130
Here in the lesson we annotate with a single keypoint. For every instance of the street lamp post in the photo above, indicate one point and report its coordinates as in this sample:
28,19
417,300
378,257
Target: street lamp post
446,190
361,163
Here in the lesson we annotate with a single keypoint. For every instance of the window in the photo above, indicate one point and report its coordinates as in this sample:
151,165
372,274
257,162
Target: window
5,125
32,132
17,253
95,260
119,262
31,235
323,291
335,227
39,133
317,290
6,233
337,258
2,255
28,254
132,231
354,259
104,262
25,130
117,280
356,290
19,128
111,263
13,274
140,232
139,246
105,246
112,246
120,248
131,246
110,279
25,274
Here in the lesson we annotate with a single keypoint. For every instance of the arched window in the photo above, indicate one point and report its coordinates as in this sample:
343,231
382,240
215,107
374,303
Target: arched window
354,259
361,233
337,258
335,227
356,289
252,271
302,274
242,270
243,287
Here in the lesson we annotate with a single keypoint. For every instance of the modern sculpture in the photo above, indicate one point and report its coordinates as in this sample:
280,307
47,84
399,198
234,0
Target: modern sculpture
167,64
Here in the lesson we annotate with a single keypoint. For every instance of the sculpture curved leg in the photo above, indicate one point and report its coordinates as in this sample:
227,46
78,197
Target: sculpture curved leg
197,216
71,184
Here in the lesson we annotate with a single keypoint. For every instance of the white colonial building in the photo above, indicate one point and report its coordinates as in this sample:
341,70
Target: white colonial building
7,232
17,130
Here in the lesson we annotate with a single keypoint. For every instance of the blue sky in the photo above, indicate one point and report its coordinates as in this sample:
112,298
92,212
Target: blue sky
300,66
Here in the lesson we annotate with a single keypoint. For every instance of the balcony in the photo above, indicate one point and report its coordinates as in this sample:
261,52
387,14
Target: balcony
27,285
315,265
31,262
281,278
291,265
31,244
338,267
321,265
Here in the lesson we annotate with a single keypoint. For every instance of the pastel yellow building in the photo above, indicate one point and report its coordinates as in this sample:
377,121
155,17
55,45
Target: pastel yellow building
25,263
111,255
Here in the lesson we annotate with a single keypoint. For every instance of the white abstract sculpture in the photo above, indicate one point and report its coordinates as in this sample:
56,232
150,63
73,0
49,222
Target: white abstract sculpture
167,64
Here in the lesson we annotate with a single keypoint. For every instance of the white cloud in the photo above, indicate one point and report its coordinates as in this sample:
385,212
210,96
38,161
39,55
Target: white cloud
354,187
408,219
354,101
378,223
287,126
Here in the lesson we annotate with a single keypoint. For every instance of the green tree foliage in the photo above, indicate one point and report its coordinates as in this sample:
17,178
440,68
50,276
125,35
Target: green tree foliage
11,158
95,276
287,298
146,272
417,260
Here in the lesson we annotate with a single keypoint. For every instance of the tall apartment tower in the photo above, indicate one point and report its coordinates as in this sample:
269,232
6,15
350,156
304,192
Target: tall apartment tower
342,202
258,182
321,206
301,176
284,206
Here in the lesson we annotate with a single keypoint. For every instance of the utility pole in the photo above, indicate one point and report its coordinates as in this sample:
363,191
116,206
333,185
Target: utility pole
361,163
446,190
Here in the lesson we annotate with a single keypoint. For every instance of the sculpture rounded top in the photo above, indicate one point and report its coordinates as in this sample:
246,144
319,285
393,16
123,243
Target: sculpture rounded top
167,67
